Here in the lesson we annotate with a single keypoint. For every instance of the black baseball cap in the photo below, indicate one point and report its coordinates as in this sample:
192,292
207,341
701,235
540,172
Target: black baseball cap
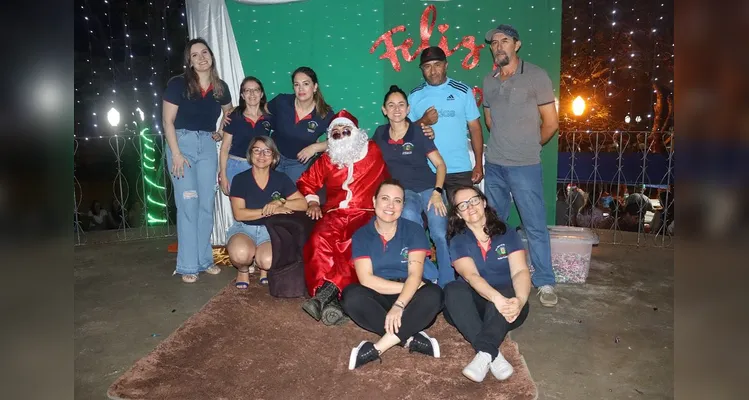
433,53
508,30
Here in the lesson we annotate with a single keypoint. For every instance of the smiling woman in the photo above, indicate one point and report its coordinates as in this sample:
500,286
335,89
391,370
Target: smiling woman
395,297
301,118
491,296
256,194
192,105
247,121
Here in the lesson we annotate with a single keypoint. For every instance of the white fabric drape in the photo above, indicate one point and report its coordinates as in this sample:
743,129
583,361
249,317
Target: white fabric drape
209,19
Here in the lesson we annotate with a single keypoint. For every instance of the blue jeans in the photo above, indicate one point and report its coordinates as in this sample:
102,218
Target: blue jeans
291,167
234,167
258,233
526,185
194,196
412,209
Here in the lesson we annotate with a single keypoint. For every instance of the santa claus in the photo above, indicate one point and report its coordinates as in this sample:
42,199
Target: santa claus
351,170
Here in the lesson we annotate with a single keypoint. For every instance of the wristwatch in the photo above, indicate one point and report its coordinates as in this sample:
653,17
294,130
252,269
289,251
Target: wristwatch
439,189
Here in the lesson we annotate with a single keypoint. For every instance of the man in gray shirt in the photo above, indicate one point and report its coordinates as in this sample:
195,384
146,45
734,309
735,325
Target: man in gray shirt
521,115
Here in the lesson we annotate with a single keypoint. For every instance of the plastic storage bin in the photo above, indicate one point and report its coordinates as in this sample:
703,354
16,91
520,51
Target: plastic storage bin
571,247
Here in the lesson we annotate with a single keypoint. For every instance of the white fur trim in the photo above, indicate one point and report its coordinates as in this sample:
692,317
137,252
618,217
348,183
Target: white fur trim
349,195
340,121
312,197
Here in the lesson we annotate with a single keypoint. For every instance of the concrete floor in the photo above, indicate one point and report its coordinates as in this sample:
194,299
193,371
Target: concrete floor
611,338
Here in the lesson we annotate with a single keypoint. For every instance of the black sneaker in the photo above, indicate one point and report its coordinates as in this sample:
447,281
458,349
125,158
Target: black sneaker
422,343
362,354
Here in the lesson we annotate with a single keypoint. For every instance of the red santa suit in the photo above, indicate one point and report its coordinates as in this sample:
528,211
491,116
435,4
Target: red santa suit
348,206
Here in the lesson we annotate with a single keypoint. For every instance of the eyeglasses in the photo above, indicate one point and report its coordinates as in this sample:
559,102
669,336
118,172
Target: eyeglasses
336,134
266,152
474,201
252,91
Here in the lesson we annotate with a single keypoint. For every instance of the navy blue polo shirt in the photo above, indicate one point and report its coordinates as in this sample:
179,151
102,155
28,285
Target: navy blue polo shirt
243,130
493,265
390,258
291,133
199,113
406,158
245,187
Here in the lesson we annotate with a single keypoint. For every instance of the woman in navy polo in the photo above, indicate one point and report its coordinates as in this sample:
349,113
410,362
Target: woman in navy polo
394,297
192,105
247,121
255,194
300,119
491,296
407,153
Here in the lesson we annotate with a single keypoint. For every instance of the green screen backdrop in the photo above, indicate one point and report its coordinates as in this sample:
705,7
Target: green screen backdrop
336,38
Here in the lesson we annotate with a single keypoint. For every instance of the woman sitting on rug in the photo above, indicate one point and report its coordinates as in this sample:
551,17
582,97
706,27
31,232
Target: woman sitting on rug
394,297
255,194
491,296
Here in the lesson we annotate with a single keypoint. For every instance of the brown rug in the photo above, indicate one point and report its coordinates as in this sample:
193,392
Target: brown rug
249,345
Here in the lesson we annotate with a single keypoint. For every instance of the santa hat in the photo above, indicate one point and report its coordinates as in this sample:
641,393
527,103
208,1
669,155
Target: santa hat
344,117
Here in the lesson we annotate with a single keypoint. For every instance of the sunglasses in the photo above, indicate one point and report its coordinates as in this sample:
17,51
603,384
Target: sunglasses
339,134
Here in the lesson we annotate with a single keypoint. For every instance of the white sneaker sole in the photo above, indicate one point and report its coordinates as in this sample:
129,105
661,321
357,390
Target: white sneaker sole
354,353
469,374
435,345
503,377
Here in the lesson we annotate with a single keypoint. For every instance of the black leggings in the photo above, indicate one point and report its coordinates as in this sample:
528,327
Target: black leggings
477,319
368,309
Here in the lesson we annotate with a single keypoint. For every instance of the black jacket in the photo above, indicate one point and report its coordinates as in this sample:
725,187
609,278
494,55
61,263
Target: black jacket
288,234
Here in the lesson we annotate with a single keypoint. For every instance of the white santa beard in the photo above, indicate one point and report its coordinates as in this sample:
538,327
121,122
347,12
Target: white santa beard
348,150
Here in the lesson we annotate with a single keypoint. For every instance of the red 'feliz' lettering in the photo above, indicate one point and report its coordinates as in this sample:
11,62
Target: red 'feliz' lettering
426,27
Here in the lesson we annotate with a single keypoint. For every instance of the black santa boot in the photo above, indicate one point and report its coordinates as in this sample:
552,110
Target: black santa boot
324,295
332,313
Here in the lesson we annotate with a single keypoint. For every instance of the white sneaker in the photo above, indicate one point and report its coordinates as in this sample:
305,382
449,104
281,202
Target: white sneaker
501,369
479,366
547,296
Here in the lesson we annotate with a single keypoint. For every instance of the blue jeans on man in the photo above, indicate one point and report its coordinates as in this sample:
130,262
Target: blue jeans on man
526,185
194,196
416,203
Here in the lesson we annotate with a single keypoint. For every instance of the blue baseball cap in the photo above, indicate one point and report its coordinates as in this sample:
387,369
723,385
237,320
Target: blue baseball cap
508,30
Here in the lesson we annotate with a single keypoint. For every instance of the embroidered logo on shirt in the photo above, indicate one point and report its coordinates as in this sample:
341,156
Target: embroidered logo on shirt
404,254
311,126
451,97
266,125
501,250
276,195
408,148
